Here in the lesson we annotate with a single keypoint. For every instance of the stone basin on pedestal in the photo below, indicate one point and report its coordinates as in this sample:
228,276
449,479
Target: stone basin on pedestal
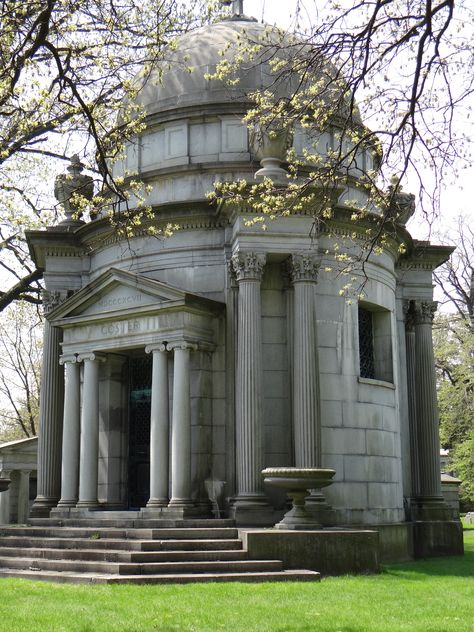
297,482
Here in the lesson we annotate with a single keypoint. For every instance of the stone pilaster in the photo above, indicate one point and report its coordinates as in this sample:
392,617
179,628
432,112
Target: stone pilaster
430,499
50,415
89,455
24,496
71,432
181,428
5,510
411,394
159,428
248,269
306,401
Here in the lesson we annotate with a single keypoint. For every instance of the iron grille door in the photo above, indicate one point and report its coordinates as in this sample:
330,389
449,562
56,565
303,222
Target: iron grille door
139,431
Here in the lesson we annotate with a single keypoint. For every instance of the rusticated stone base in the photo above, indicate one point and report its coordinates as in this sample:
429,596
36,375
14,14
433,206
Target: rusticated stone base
330,551
258,514
436,539
42,506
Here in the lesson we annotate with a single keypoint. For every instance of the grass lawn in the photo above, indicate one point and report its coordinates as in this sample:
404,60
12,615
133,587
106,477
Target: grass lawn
435,595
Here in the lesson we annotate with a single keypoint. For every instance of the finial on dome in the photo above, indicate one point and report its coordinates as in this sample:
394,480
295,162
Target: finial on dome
237,6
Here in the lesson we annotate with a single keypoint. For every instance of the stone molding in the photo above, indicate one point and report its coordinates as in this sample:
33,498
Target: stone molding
424,312
248,266
303,267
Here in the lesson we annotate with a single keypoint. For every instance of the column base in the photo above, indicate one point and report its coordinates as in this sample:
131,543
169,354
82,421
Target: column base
429,508
91,505
42,506
253,511
180,510
65,504
157,503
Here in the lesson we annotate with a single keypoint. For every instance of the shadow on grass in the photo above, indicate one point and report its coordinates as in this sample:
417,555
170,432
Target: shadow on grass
455,566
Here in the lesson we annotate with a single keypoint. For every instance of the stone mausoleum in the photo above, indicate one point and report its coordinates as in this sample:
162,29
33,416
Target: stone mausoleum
176,369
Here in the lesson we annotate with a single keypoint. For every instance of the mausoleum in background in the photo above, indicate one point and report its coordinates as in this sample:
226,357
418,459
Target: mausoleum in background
175,370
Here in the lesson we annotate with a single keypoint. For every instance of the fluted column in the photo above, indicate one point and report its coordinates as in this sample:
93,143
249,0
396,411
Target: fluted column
89,455
306,402
181,427
411,394
426,405
71,432
159,428
50,415
248,268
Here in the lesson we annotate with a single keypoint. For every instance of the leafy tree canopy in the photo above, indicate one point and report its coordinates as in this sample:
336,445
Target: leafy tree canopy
67,67
454,353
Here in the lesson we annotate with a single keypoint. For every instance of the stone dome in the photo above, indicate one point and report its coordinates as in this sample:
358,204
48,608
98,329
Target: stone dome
180,81
194,132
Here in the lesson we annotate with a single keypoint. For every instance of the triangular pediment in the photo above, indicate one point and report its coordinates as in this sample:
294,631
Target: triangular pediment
118,291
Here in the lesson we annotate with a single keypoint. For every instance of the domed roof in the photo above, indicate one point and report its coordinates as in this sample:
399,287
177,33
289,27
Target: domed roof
180,81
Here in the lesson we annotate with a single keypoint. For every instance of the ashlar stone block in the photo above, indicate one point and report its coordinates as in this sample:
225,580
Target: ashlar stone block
381,443
343,440
331,413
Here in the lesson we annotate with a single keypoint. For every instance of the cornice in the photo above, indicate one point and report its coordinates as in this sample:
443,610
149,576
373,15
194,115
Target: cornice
425,256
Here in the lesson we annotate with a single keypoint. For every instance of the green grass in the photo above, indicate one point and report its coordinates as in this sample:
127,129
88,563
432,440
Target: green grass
434,595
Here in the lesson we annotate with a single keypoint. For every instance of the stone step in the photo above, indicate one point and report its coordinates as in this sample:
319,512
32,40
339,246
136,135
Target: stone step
167,553
24,541
183,533
121,522
91,578
155,568
114,555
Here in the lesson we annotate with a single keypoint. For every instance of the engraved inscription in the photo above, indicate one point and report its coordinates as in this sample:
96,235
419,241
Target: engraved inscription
121,327
120,301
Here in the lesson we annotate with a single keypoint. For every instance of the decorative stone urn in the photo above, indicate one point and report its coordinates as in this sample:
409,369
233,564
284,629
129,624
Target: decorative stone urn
298,482
269,145
68,184
401,204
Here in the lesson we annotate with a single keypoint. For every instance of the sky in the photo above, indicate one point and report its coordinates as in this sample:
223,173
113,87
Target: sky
458,191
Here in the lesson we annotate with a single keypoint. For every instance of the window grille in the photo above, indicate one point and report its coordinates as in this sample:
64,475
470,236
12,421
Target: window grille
366,344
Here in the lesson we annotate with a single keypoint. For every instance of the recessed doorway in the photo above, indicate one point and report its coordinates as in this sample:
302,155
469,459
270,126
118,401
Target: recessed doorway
140,368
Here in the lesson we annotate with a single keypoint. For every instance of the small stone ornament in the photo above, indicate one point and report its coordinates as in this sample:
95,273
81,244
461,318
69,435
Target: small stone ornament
297,482
68,184
401,204
269,145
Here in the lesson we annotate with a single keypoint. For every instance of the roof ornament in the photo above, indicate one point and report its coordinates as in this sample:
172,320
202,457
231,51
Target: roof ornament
67,185
401,205
237,6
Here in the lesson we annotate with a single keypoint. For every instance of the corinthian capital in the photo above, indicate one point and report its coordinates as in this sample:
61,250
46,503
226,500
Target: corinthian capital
52,300
424,312
408,315
303,267
248,266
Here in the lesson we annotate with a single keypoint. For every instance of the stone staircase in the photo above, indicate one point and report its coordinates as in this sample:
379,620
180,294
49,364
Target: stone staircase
134,550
